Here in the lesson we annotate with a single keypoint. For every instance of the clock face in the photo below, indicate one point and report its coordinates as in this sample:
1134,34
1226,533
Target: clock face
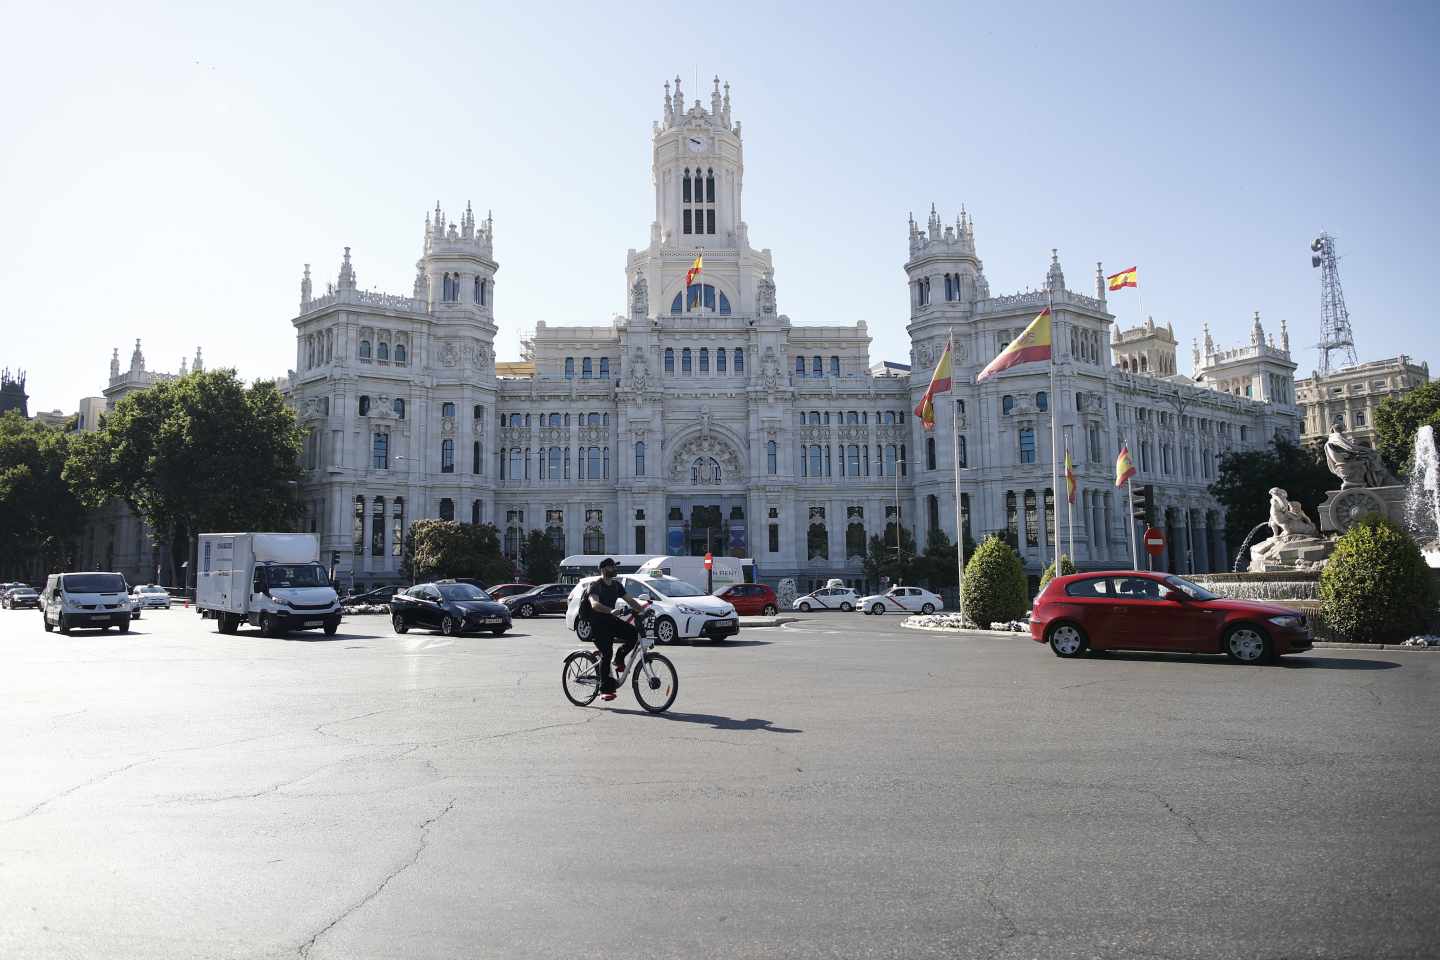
695,144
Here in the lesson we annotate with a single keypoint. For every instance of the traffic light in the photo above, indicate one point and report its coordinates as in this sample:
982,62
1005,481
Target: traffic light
1145,505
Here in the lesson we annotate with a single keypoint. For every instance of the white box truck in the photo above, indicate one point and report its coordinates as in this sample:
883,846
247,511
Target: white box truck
272,580
725,573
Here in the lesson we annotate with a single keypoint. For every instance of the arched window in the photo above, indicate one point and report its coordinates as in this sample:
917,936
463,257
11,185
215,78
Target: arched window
724,300
594,419
852,417
710,190
889,417
447,508
817,367
604,368
890,460
669,360
720,360
704,359
554,462
398,405
447,409
365,350
964,457
834,366
543,462
1042,401
685,363
517,464
364,406
852,453
815,465
447,456
399,353
815,418
739,359
587,371
382,352
1007,403
515,420
685,195
640,458
678,304
1032,520
569,368
772,457
799,366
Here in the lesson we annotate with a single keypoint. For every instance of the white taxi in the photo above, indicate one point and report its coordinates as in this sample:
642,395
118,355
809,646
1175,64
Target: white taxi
683,611
831,598
901,600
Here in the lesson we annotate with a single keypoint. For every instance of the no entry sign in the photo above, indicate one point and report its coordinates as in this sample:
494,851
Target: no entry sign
709,560
1154,541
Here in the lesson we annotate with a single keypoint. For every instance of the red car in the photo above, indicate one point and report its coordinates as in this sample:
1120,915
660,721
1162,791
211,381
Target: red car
752,600
1135,610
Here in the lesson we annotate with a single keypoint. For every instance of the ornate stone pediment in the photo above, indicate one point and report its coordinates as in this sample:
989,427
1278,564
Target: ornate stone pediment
706,448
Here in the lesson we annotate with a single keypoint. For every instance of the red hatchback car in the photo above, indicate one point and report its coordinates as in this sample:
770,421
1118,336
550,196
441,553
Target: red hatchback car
1137,610
752,600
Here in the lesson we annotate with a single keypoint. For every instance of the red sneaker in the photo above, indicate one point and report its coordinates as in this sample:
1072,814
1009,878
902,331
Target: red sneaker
607,696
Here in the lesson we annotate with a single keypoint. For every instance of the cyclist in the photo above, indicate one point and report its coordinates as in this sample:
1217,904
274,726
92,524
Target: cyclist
604,596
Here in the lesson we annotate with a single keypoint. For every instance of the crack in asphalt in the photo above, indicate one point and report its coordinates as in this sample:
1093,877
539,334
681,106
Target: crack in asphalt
424,828
1182,817
79,786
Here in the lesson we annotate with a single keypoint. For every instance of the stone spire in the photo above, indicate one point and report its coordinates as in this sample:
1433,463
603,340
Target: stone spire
1257,332
934,233
669,111
1099,282
1055,277
198,366
914,235
715,98
184,368
422,289
114,363
137,359
678,100
1284,337
1194,354
347,273
725,106
305,288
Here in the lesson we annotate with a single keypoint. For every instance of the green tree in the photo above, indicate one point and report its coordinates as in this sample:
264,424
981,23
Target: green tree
540,558
40,517
1066,568
445,548
882,560
996,590
938,567
1398,418
199,453
1376,586
1246,476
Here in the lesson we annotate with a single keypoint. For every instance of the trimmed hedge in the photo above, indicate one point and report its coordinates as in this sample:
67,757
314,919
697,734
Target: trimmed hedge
1066,568
995,586
1376,586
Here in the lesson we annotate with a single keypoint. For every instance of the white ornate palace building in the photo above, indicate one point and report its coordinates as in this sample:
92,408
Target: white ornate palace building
708,418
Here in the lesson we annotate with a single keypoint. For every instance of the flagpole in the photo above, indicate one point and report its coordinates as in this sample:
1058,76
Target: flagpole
1054,433
1069,507
1130,523
959,514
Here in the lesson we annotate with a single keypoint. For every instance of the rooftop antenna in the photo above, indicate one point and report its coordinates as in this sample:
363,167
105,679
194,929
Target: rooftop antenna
1335,332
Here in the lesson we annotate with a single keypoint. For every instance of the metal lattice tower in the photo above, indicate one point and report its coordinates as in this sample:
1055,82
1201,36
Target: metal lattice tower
1335,332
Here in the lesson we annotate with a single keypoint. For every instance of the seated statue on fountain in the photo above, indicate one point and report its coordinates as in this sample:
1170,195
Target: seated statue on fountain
1356,465
1295,542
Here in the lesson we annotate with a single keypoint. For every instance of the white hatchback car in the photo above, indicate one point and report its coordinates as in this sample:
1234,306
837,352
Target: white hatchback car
149,596
684,612
831,598
901,600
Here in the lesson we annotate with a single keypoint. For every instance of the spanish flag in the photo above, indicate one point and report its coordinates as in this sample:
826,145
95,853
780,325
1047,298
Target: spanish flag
1124,466
694,270
1069,477
1125,278
939,383
1032,344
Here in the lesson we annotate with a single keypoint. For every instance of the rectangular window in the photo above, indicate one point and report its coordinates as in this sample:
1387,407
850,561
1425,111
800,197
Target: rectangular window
476,460
447,456
1027,446
709,221
639,538
774,538
381,447
686,225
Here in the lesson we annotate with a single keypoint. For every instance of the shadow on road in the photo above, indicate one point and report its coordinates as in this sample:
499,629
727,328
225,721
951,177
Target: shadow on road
718,723
1336,663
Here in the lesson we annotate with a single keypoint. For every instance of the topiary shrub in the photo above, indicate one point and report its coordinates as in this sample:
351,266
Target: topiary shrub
1376,587
995,588
1066,568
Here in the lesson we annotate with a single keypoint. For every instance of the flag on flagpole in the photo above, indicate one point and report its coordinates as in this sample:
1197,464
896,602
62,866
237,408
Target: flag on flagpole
939,383
1032,344
1069,476
694,270
1124,466
1129,277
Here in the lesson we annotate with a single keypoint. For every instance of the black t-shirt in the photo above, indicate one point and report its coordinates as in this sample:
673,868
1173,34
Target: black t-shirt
607,594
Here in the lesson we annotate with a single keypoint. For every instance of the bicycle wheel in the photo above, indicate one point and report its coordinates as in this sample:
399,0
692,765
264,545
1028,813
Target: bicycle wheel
580,678
656,683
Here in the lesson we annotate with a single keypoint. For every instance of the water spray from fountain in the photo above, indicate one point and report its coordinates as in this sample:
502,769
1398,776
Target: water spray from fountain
1422,496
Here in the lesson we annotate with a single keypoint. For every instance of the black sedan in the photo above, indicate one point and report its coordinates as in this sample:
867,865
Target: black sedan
549,598
451,608
20,598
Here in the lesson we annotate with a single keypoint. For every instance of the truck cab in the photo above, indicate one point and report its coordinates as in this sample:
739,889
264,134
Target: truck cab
274,581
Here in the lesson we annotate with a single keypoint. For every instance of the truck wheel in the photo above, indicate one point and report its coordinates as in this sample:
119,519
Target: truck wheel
268,626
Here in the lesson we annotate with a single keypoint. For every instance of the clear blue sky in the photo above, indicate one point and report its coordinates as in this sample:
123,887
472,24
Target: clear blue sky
165,174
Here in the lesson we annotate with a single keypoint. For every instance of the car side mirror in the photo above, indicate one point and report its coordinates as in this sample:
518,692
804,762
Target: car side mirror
1176,596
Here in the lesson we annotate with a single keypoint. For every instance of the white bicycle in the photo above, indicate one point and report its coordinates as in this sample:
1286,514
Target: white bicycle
652,675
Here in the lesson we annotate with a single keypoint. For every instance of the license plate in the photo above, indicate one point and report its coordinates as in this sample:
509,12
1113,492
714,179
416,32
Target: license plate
724,623
314,623
491,620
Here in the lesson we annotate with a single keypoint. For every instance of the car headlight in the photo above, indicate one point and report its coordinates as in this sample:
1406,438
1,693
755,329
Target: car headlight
690,611
1287,620
281,601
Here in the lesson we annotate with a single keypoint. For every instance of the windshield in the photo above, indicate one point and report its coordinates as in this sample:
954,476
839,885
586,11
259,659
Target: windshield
462,591
93,583
151,590
23,591
296,575
1193,590
674,588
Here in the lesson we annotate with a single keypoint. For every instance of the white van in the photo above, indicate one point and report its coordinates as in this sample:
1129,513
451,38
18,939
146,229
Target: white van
272,580
86,600
726,572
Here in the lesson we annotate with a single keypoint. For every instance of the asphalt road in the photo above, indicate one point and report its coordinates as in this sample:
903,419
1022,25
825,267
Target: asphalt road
838,787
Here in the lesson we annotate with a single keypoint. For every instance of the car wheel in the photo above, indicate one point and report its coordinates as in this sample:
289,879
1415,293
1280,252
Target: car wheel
878,610
769,610
122,627
1067,640
46,621
928,608
332,626
584,629
527,610
846,607
665,631
64,627
498,631
804,608
448,626
398,622
1247,644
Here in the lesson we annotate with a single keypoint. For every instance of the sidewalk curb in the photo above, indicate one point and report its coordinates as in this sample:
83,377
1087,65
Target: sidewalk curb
765,622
